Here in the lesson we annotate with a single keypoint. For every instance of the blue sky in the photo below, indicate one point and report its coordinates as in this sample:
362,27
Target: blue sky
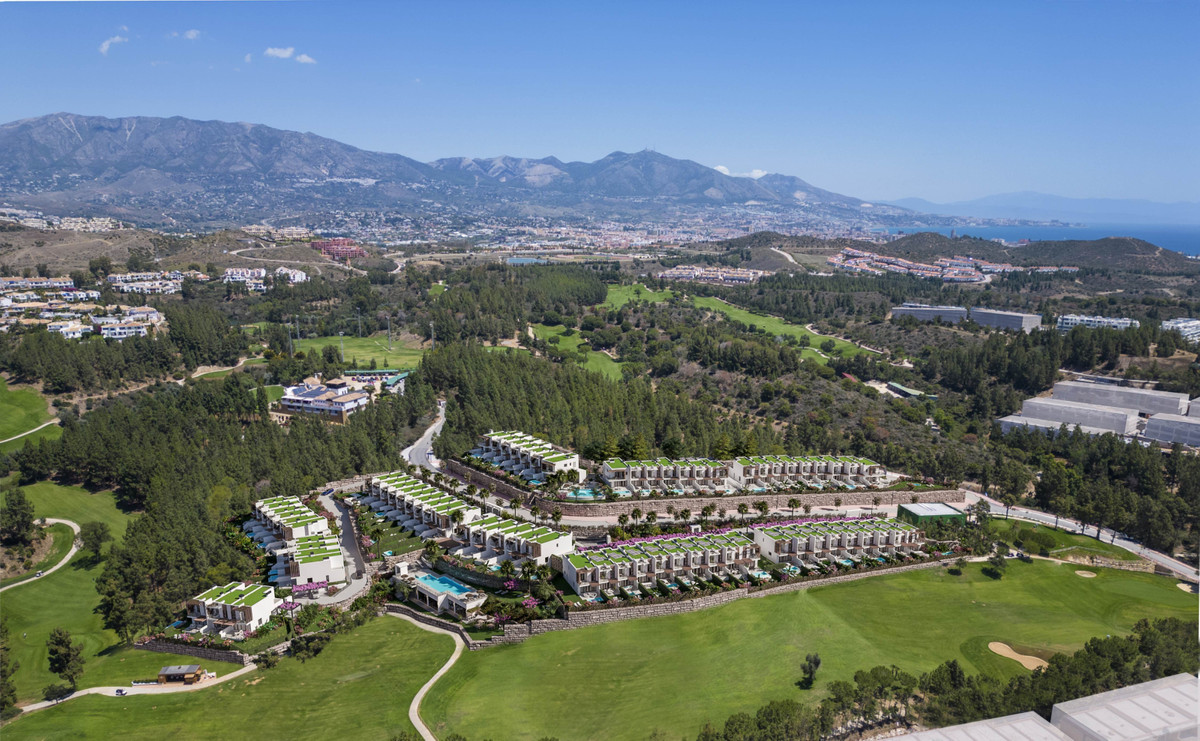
945,101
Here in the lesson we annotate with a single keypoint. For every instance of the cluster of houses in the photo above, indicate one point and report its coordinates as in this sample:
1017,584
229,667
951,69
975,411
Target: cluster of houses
232,610
957,269
339,248
755,473
720,275
255,278
74,314
157,283
527,456
305,548
828,541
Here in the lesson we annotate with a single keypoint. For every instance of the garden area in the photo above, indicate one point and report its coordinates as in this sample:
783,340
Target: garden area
739,656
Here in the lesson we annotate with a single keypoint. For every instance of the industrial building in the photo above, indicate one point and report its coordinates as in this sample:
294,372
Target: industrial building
1145,401
1020,727
1112,419
921,514
1173,428
1015,421
927,313
1005,319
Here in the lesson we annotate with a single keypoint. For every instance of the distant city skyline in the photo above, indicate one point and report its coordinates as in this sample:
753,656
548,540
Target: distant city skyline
938,100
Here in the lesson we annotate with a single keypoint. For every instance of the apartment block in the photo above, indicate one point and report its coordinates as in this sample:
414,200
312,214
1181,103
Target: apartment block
628,569
234,609
313,558
529,457
1146,401
1189,328
754,472
814,543
1068,322
680,476
122,330
286,518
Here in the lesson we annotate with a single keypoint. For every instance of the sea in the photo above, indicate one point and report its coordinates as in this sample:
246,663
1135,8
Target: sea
1180,238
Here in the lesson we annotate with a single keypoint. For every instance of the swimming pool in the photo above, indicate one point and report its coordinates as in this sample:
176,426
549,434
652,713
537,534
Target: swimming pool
444,584
584,495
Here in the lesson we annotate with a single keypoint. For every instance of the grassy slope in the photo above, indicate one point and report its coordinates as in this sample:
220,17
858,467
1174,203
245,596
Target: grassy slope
597,362
20,410
62,538
1065,544
774,325
53,432
618,296
675,673
366,348
68,598
359,687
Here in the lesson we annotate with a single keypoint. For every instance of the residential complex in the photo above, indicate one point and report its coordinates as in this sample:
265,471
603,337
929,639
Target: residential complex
814,543
710,274
957,269
981,316
286,518
1070,321
334,400
629,568
290,275
253,278
687,475
814,472
1189,328
234,609
123,330
339,248
529,457
312,558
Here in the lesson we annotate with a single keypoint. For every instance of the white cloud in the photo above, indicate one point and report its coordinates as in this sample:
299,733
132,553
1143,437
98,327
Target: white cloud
305,59
191,34
279,52
107,43
249,59
753,174
125,29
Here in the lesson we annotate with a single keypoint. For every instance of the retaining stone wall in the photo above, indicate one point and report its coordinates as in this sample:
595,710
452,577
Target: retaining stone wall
730,502
484,481
199,652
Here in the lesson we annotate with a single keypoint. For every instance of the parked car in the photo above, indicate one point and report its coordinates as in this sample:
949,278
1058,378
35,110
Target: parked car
121,693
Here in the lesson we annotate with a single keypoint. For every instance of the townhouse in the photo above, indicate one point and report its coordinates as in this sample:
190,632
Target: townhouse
70,329
529,457
234,609
679,476
628,568
495,538
122,330
308,559
816,472
285,518
843,541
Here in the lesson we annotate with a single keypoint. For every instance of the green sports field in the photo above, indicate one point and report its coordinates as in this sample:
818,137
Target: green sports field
20,410
365,348
624,680
775,326
596,361
359,687
618,296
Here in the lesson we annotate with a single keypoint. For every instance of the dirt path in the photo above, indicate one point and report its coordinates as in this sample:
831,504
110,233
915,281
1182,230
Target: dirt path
786,256
30,432
414,709
1005,650
153,689
70,554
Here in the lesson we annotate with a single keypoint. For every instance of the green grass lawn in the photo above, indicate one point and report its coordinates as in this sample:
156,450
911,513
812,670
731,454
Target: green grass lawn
775,326
20,410
624,680
62,537
597,362
53,432
1065,544
274,393
68,598
437,289
618,296
360,686
365,348
395,539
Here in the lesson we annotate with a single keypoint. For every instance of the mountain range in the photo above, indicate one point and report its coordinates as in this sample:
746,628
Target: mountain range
1041,206
211,171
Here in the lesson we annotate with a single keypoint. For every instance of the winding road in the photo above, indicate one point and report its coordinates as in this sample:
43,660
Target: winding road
66,559
414,708
420,453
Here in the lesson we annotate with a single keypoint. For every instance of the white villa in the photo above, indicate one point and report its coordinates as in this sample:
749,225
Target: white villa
494,538
121,330
233,609
624,569
426,510
333,400
811,471
813,543
681,476
313,558
527,456
284,518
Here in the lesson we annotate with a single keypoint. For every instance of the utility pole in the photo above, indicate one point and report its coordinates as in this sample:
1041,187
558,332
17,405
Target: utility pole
389,332
432,338
342,342
291,348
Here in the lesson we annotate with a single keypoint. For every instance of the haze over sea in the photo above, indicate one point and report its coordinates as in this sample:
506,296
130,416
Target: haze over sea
1181,238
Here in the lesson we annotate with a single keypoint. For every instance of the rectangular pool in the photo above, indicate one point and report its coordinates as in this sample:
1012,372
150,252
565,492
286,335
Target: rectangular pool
444,584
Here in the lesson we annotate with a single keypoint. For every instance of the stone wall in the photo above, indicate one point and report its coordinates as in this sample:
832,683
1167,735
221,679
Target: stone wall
198,652
482,480
428,619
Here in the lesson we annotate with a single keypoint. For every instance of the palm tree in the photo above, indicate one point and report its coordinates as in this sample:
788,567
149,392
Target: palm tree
685,515
528,569
707,512
742,509
507,570
457,518
472,491
763,507
875,501
793,503
807,508
536,511
837,501
622,519
671,510
636,514
556,515
651,518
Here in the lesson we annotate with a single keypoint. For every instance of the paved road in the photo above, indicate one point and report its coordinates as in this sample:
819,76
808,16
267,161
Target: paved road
1179,568
70,554
350,545
150,689
420,453
414,708
30,432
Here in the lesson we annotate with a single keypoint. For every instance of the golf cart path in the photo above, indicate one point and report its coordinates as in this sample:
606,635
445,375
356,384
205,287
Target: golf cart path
785,255
151,689
70,554
414,709
30,432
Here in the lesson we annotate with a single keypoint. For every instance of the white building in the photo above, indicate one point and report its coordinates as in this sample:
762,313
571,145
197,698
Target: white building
679,476
72,330
121,330
1161,710
1189,328
815,542
1146,401
233,609
333,400
290,275
284,518
312,558
816,472
527,456
1173,428
1059,411
626,569
1069,321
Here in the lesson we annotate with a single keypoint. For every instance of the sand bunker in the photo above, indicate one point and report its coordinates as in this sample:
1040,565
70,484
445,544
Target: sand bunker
1005,650
1086,574
1182,585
